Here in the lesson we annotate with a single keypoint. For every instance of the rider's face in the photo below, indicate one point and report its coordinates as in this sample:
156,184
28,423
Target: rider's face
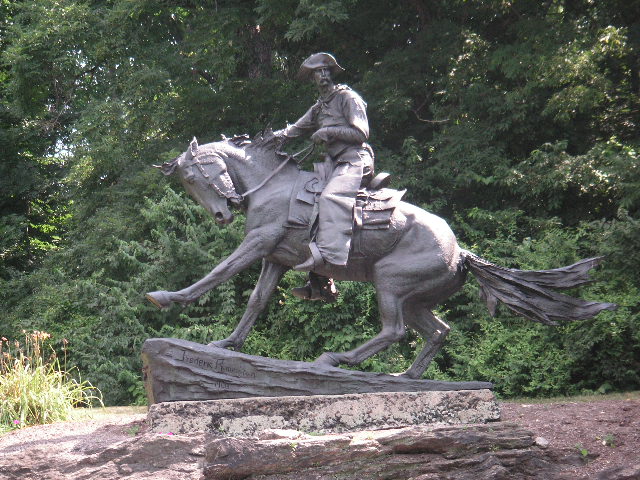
322,77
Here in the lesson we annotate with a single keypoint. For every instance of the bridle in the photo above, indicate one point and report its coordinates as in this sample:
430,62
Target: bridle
222,183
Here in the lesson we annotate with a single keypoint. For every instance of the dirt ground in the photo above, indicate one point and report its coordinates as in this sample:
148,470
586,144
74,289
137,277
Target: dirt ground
603,431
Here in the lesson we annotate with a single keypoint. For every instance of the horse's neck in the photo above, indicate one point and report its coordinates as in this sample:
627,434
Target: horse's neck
248,173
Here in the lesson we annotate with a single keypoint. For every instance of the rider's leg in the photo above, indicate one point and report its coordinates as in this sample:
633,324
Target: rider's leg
336,211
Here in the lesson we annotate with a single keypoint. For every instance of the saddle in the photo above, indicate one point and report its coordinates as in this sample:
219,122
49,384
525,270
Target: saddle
374,208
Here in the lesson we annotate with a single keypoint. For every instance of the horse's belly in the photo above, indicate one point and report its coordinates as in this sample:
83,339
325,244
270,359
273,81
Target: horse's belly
293,249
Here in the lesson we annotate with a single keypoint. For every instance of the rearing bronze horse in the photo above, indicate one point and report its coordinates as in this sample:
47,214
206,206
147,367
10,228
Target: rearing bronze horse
423,268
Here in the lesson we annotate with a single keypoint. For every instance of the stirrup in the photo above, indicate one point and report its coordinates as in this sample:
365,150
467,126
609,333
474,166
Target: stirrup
314,261
303,293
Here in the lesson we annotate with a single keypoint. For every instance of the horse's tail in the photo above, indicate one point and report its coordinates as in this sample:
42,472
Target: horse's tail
528,292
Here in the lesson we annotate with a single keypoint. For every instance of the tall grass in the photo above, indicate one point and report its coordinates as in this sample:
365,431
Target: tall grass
34,387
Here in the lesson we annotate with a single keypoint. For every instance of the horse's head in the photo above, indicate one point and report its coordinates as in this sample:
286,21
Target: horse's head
204,176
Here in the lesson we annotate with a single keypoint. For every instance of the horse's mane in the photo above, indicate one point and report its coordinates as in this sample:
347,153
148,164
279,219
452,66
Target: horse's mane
264,146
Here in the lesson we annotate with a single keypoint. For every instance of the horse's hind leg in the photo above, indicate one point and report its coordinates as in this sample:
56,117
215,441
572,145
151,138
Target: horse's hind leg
390,307
433,330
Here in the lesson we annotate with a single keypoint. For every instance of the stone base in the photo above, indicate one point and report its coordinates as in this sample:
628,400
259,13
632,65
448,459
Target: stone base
179,370
324,413
460,452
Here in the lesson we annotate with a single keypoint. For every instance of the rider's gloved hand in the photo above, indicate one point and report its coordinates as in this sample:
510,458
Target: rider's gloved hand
281,133
320,136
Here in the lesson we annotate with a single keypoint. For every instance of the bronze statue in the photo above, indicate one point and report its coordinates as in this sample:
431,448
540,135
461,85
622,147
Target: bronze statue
410,255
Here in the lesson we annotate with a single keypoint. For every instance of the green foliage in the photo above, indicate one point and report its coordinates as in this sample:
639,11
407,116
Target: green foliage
34,387
592,185
517,122
609,440
584,453
312,17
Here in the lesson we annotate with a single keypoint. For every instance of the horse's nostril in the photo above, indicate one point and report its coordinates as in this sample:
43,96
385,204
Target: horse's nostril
219,217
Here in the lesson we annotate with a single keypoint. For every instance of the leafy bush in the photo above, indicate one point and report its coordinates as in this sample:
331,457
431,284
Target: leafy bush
34,387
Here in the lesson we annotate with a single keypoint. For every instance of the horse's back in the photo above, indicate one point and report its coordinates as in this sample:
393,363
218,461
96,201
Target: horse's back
412,229
425,231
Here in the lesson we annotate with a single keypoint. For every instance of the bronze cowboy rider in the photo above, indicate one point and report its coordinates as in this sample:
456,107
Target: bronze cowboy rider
338,121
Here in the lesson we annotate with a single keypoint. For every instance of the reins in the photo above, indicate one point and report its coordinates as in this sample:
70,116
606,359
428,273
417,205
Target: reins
288,157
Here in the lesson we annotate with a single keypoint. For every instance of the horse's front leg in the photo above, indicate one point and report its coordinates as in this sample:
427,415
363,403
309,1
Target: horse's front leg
254,247
267,283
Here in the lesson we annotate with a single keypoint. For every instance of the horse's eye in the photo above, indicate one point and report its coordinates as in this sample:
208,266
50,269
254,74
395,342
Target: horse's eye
189,178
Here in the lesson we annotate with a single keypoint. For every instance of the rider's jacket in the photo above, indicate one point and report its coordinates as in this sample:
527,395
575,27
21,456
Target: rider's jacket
339,120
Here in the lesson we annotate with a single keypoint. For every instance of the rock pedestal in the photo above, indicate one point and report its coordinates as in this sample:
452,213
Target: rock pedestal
324,414
179,370
327,422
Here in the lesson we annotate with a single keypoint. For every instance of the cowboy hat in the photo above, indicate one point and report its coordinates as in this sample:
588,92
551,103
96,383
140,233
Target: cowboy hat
318,60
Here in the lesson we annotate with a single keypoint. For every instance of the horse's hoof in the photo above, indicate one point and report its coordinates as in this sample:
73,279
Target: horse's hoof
160,299
327,358
408,374
227,344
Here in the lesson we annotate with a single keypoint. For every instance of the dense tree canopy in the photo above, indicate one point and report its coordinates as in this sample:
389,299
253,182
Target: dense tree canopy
517,121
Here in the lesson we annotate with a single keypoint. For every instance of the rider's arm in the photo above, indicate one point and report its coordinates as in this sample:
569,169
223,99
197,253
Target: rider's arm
354,111
342,134
305,124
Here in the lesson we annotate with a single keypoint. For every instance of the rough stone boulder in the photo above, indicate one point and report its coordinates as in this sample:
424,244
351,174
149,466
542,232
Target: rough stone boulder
486,451
478,452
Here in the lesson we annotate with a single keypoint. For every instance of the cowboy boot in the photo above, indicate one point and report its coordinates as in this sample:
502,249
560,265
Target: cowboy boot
317,287
325,285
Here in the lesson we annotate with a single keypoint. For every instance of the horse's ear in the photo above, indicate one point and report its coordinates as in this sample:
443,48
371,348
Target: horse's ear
168,168
192,150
